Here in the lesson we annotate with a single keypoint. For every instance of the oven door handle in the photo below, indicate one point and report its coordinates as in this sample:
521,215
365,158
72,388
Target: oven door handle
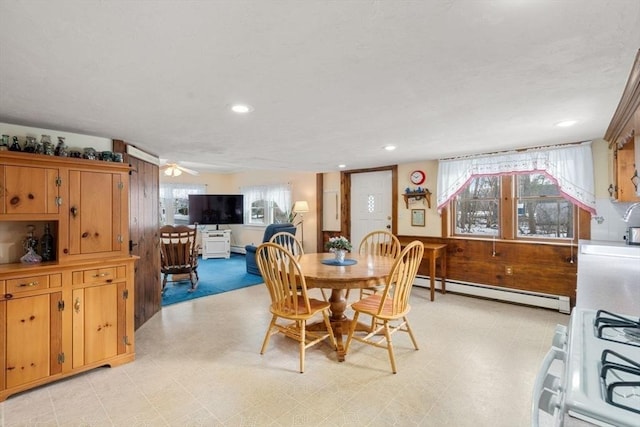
546,387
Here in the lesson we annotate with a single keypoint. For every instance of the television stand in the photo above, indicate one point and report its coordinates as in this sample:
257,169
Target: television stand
216,243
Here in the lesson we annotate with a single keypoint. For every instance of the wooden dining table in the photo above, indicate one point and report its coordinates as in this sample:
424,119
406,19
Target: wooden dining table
368,271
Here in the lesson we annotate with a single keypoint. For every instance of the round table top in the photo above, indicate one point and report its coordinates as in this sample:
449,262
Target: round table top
369,270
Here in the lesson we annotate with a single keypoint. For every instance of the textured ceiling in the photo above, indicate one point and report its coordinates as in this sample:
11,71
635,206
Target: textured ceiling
330,81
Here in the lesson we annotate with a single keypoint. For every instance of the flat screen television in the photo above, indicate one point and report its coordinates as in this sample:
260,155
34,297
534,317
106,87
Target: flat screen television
216,209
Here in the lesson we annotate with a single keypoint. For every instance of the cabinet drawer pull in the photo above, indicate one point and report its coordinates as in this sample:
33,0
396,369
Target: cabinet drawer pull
101,275
28,285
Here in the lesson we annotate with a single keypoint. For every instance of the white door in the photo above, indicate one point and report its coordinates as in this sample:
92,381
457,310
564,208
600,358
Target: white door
370,204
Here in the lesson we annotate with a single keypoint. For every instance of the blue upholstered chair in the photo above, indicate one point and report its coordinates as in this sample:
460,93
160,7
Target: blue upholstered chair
252,265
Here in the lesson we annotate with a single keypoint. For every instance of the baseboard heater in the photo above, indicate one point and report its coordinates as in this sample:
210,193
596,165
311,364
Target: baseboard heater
554,302
238,250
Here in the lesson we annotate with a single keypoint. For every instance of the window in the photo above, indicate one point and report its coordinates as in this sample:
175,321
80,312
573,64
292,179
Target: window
174,202
267,204
486,205
541,210
477,207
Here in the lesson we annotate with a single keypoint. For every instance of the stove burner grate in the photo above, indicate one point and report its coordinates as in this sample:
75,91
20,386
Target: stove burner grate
621,379
624,328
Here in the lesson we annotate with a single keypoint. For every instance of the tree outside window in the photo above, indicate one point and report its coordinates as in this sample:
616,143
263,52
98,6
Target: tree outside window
477,207
540,210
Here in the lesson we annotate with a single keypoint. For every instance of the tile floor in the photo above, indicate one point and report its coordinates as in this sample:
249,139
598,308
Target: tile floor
198,364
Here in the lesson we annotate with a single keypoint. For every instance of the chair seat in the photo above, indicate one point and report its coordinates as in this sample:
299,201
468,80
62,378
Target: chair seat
370,306
316,306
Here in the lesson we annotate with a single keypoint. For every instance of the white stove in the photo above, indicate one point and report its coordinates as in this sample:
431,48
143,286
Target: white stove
599,379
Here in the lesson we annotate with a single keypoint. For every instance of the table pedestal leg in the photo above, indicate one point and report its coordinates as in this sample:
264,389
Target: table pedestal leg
339,322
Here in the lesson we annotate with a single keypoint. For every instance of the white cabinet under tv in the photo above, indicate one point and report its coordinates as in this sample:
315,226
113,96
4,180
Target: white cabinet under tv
216,244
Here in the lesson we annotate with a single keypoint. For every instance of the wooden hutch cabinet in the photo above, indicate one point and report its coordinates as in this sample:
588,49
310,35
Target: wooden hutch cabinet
62,317
623,135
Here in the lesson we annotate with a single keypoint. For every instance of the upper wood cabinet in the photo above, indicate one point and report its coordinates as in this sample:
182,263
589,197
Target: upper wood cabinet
97,220
88,201
623,136
29,190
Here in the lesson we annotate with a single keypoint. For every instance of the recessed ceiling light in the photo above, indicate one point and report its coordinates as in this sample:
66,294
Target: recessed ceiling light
389,147
241,108
342,166
566,123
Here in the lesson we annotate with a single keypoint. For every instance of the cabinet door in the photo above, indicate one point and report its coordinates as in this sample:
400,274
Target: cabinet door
29,190
96,212
28,339
95,324
625,172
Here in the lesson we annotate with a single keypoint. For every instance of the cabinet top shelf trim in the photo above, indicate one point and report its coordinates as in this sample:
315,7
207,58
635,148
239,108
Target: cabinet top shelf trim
14,157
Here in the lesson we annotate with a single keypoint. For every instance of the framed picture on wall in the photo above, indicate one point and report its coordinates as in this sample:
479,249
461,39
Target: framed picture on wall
417,217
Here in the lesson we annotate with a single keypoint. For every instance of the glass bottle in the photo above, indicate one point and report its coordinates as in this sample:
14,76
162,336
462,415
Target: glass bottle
47,247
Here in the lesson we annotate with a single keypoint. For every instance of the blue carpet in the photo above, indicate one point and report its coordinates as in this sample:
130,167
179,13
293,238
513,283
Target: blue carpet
217,275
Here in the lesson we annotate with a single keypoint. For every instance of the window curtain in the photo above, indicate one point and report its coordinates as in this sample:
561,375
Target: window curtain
274,195
180,191
570,166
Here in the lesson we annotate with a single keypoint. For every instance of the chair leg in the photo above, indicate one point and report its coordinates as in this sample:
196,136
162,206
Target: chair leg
352,329
327,323
164,282
302,325
267,336
387,335
194,283
413,339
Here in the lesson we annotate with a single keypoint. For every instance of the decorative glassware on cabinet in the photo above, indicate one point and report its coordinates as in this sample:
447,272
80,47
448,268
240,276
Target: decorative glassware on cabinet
47,145
47,245
30,242
4,144
61,148
15,146
30,145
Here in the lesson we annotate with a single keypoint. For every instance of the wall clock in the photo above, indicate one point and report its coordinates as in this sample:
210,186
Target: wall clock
417,177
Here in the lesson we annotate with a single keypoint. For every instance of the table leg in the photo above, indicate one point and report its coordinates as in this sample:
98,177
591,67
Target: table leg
443,268
339,322
432,273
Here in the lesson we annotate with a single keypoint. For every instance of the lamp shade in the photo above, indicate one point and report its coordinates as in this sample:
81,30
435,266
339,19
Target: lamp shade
301,206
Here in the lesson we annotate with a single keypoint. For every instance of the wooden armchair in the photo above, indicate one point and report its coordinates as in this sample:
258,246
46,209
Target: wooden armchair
179,253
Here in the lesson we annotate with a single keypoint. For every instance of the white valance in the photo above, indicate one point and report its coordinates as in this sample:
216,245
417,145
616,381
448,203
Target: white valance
570,166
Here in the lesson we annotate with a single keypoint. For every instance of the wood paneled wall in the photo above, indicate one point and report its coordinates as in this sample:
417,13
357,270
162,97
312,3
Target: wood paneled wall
144,223
542,268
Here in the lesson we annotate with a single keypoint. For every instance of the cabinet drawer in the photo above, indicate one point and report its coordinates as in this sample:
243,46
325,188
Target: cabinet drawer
99,275
25,284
